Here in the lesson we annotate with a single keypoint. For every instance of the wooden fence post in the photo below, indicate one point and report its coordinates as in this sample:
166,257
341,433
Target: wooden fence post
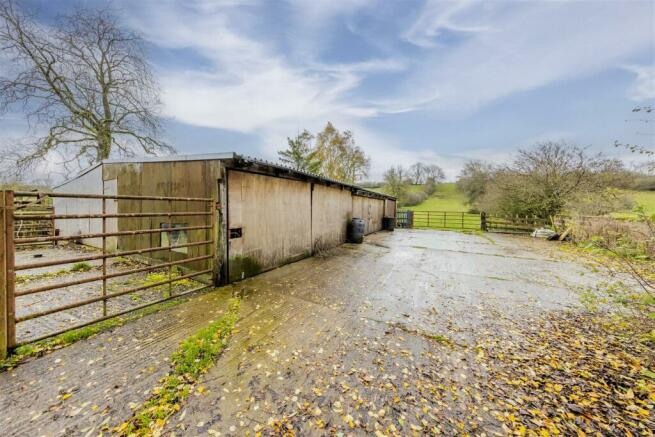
483,221
9,261
3,278
7,280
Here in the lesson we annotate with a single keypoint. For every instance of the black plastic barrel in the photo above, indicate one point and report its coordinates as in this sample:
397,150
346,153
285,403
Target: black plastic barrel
388,223
356,234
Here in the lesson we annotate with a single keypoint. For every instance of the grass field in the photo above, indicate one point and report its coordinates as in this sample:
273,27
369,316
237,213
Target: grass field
445,198
450,203
448,198
645,199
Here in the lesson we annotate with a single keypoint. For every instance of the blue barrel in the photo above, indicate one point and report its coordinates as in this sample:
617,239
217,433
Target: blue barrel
357,228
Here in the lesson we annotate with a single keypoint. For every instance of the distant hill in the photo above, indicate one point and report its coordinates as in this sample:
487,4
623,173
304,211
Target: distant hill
448,198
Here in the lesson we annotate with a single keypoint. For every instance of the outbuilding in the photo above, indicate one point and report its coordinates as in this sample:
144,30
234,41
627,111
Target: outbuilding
265,214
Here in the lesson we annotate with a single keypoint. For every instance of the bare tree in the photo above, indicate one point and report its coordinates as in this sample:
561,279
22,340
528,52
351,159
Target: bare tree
434,173
545,180
83,78
647,120
473,180
417,171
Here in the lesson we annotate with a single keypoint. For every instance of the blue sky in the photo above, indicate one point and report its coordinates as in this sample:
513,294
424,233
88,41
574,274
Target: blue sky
440,82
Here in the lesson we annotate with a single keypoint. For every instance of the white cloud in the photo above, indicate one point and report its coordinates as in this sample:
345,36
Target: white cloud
439,16
251,87
531,44
643,87
251,83
313,18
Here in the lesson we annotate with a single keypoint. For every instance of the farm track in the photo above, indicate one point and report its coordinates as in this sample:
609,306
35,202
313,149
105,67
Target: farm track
309,326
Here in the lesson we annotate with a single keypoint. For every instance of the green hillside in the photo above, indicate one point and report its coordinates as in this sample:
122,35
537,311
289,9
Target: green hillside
445,198
448,198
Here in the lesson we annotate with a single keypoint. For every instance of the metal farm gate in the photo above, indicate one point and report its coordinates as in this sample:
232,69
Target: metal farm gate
455,220
466,221
102,282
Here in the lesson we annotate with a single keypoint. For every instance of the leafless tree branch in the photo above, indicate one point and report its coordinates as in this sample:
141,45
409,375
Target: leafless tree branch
86,80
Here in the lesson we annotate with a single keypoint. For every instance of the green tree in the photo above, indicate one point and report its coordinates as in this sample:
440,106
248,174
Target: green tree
338,155
394,182
473,179
300,155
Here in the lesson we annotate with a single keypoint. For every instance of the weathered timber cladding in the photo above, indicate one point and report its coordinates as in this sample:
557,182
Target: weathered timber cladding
265,215
390,208
369,209
331,212
171,179
274,217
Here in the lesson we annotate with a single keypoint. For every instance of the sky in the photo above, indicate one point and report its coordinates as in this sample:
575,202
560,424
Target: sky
415,80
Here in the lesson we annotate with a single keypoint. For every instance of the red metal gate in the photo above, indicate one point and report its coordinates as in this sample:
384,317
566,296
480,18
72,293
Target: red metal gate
195,259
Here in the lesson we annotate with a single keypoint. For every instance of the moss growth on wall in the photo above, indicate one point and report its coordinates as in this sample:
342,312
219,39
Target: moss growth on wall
242,267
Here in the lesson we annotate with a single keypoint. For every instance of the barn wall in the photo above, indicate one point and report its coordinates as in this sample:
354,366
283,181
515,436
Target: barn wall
274,216
171,179
331,212
281,219
390,208
369,209
89,183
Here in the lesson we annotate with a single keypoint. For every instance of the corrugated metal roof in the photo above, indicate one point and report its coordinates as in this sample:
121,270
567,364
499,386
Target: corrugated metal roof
171,158
309,174
140,159
223,156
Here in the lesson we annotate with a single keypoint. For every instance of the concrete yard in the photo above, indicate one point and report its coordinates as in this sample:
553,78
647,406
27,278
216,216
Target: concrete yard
357,340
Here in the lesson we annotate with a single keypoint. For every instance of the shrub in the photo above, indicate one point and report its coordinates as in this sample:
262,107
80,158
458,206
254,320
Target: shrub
429,187
602,203
625,239
412,199
644,183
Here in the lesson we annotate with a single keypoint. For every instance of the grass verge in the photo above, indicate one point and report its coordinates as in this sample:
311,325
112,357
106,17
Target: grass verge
42,347
194,357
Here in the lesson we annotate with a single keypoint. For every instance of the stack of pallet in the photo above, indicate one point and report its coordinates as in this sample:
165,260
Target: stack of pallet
24,227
